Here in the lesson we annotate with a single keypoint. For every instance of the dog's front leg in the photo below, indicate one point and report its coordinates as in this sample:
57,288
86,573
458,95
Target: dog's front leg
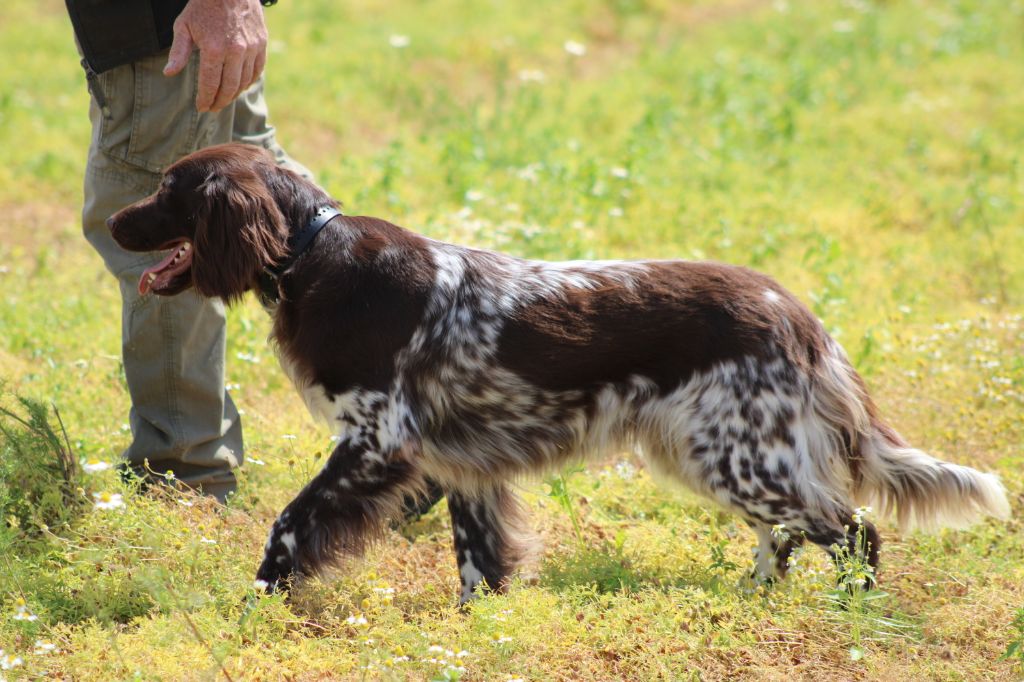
491,537
344,507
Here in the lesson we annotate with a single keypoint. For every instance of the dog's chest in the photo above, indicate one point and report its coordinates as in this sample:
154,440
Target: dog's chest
354,415
318,401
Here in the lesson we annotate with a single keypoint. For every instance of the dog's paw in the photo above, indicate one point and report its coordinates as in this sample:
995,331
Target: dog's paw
272,576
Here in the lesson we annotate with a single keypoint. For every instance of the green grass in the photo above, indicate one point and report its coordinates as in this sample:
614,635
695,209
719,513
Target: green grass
867,154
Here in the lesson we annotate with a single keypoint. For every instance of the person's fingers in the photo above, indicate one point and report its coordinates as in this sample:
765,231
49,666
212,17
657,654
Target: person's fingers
181,49
247,73
211,65
260,63
230,79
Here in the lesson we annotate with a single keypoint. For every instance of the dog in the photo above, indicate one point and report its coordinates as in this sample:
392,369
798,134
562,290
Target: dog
471,368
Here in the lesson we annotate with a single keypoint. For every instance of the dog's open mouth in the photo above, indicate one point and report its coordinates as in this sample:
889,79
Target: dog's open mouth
160,276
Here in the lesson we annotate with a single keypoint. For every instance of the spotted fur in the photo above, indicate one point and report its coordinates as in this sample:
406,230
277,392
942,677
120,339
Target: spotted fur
438,365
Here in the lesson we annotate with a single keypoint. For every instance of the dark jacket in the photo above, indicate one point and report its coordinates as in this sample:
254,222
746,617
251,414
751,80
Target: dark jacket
115,32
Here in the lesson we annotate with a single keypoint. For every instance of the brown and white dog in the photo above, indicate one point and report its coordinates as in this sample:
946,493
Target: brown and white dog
472,369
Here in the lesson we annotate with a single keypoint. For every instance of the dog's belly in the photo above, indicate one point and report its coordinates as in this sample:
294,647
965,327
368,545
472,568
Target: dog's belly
510,428
738,433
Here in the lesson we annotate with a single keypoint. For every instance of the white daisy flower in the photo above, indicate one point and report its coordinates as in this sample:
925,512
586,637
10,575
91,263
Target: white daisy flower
10,661
108,500
398,41
574,48
43,648
859,513
625,470
532,76
94,466
22,613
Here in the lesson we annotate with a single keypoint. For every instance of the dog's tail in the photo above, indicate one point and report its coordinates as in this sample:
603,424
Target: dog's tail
918,490
923,492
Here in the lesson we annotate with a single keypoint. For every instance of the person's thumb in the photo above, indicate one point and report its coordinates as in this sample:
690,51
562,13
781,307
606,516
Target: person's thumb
181,49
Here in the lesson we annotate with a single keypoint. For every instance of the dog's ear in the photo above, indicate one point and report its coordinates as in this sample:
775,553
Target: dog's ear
239,232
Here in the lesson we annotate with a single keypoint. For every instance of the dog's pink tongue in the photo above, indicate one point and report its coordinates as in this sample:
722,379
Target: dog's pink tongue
145,282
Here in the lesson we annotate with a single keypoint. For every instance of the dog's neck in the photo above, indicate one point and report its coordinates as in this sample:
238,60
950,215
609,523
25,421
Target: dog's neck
306,209
298,241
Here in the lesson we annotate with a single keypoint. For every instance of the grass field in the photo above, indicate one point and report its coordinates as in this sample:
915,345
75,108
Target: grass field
867,154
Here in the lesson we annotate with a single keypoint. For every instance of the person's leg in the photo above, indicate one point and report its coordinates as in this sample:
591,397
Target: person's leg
251,126
182,419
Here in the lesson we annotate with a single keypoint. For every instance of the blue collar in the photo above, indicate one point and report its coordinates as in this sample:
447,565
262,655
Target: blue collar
298,242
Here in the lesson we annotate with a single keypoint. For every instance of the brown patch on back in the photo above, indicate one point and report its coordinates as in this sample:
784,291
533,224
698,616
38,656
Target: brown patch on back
679,318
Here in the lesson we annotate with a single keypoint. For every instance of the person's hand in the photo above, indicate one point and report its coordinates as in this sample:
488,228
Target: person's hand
232,40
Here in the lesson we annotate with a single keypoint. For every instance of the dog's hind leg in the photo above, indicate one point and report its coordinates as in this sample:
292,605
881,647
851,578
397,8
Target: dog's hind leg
856,538
341,510
490,537
775,545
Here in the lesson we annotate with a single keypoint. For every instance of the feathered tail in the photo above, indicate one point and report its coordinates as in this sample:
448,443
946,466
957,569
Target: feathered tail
916,489
920,491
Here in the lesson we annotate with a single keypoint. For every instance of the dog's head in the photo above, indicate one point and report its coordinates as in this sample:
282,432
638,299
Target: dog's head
218,214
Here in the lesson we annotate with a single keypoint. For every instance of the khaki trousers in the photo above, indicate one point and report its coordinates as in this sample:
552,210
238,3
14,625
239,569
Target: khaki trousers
182,418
